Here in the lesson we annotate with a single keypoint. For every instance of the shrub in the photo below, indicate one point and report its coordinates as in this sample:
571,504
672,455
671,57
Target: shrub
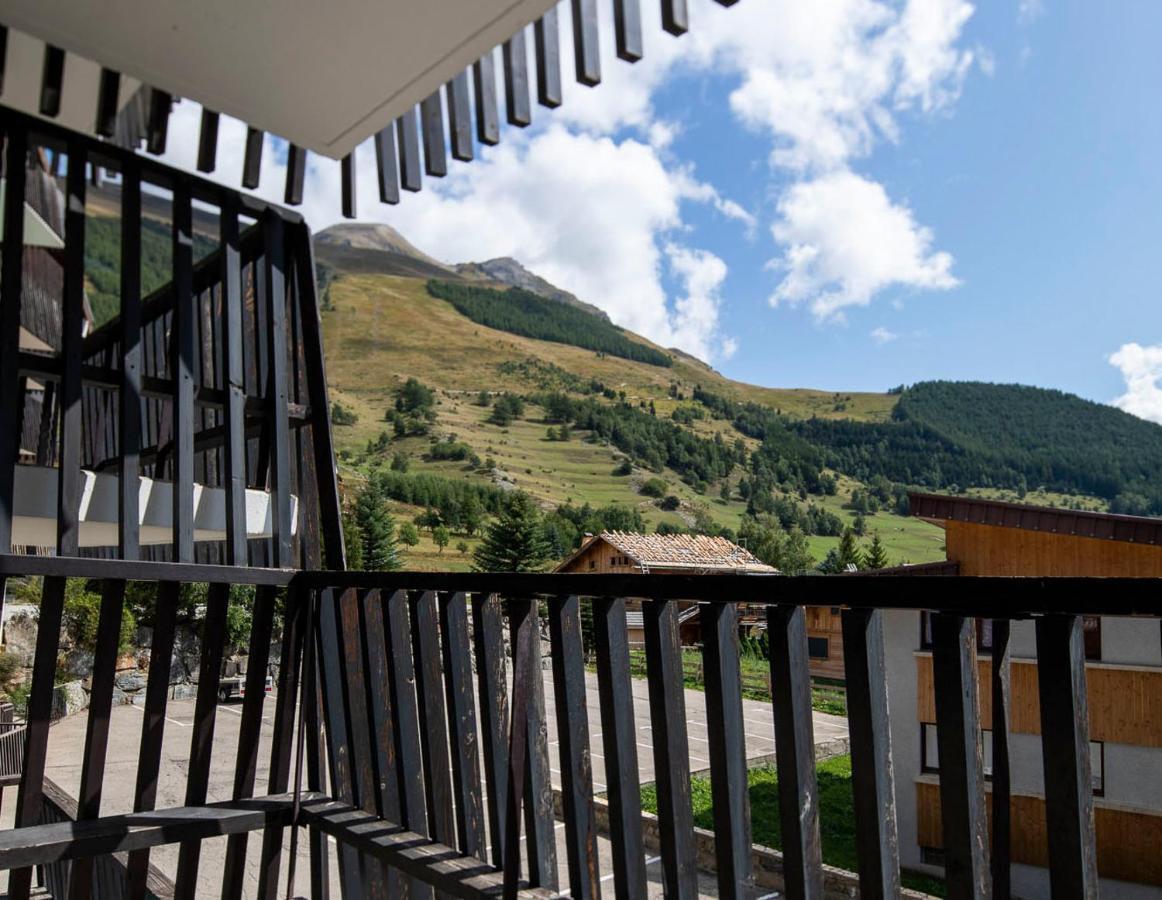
669,503
342,415
654,487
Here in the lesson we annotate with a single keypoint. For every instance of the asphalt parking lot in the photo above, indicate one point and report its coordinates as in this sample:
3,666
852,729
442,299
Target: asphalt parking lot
67,737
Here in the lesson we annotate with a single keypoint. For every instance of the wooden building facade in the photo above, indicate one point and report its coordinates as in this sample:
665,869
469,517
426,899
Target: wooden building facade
1123,685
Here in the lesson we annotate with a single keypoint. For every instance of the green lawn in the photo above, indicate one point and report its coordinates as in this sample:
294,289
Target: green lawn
826,697
836,815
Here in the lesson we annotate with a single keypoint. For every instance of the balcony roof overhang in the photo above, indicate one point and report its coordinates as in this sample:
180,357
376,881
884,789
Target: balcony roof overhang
325,76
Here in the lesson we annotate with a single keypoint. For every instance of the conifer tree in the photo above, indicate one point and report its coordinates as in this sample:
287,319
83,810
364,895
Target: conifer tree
876,556
848,552
515,541
378,531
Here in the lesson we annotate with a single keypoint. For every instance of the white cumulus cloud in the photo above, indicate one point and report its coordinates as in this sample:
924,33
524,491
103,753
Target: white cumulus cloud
845,241
882,335
1141,367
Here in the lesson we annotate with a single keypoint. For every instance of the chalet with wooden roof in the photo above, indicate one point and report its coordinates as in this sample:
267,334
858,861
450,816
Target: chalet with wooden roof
623,552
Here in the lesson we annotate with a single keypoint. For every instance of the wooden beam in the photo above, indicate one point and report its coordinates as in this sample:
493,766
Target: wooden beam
52,81
252,158
408,135
586,43
157,125
296,173
460,116
1002,823
516,80
627,22
432,127
208,141
675,18
547,42
11,295
108,92
487,113
387,166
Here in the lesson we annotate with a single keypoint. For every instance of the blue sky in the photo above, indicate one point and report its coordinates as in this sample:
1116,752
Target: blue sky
844,194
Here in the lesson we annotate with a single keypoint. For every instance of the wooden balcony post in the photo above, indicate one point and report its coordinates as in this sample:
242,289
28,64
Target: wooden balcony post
1065,754
795,752
962,800
877,840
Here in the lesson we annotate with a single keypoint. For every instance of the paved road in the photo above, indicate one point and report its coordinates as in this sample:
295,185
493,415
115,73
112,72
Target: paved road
66,743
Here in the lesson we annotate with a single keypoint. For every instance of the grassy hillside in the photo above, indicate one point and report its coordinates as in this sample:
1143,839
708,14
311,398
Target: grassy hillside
382,330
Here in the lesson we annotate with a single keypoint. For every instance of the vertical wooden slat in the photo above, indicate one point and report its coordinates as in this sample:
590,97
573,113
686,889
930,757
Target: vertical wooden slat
360,735
1065,756
460,117
38,714
235,387
282,740
619,741
1002,790
157,124
323,451
97,727
183,339
547,43
252,158
675,18
724,726
348,199
274,262
573,736
671,748
3,54
208,141
202,735
795,752
129,397
11,287
487,624
382,724
387,166
962,800
432,126
408,136
877,841
522,675
462,723
153,721
407,720
296,173
335,730
487,112
516,80
540,838
627,23
586,42
246,764
108,92
51,81
433,720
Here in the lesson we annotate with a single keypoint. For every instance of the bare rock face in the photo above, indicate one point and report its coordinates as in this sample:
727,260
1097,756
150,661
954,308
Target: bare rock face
69,699
20,635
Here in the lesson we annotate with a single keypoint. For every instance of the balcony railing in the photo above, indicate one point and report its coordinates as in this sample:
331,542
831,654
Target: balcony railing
421,743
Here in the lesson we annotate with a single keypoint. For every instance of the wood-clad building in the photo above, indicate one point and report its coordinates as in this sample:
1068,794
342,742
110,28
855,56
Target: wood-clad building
628,553
1123,674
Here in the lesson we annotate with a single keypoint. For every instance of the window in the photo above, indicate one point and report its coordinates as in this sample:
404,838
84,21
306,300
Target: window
593,564
984,633
818,647
930,756
1091,630
932,856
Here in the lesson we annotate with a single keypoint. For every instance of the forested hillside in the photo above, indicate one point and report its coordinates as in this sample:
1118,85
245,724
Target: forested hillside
521,312
973,434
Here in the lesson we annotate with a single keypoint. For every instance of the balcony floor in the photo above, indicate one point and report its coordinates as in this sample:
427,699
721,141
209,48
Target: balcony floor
66,743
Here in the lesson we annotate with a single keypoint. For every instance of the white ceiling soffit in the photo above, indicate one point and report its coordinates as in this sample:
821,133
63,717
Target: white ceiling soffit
324,74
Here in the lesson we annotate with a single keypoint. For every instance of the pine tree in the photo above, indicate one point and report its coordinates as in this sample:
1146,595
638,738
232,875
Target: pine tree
876,556
353,541
515,542
378,531
848,552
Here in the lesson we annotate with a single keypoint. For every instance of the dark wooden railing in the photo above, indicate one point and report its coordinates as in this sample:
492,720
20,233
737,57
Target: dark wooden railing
422,746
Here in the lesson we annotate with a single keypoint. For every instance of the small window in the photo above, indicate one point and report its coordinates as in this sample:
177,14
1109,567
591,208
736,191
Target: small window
984,633
932,856
818,647
1091,631
593,564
